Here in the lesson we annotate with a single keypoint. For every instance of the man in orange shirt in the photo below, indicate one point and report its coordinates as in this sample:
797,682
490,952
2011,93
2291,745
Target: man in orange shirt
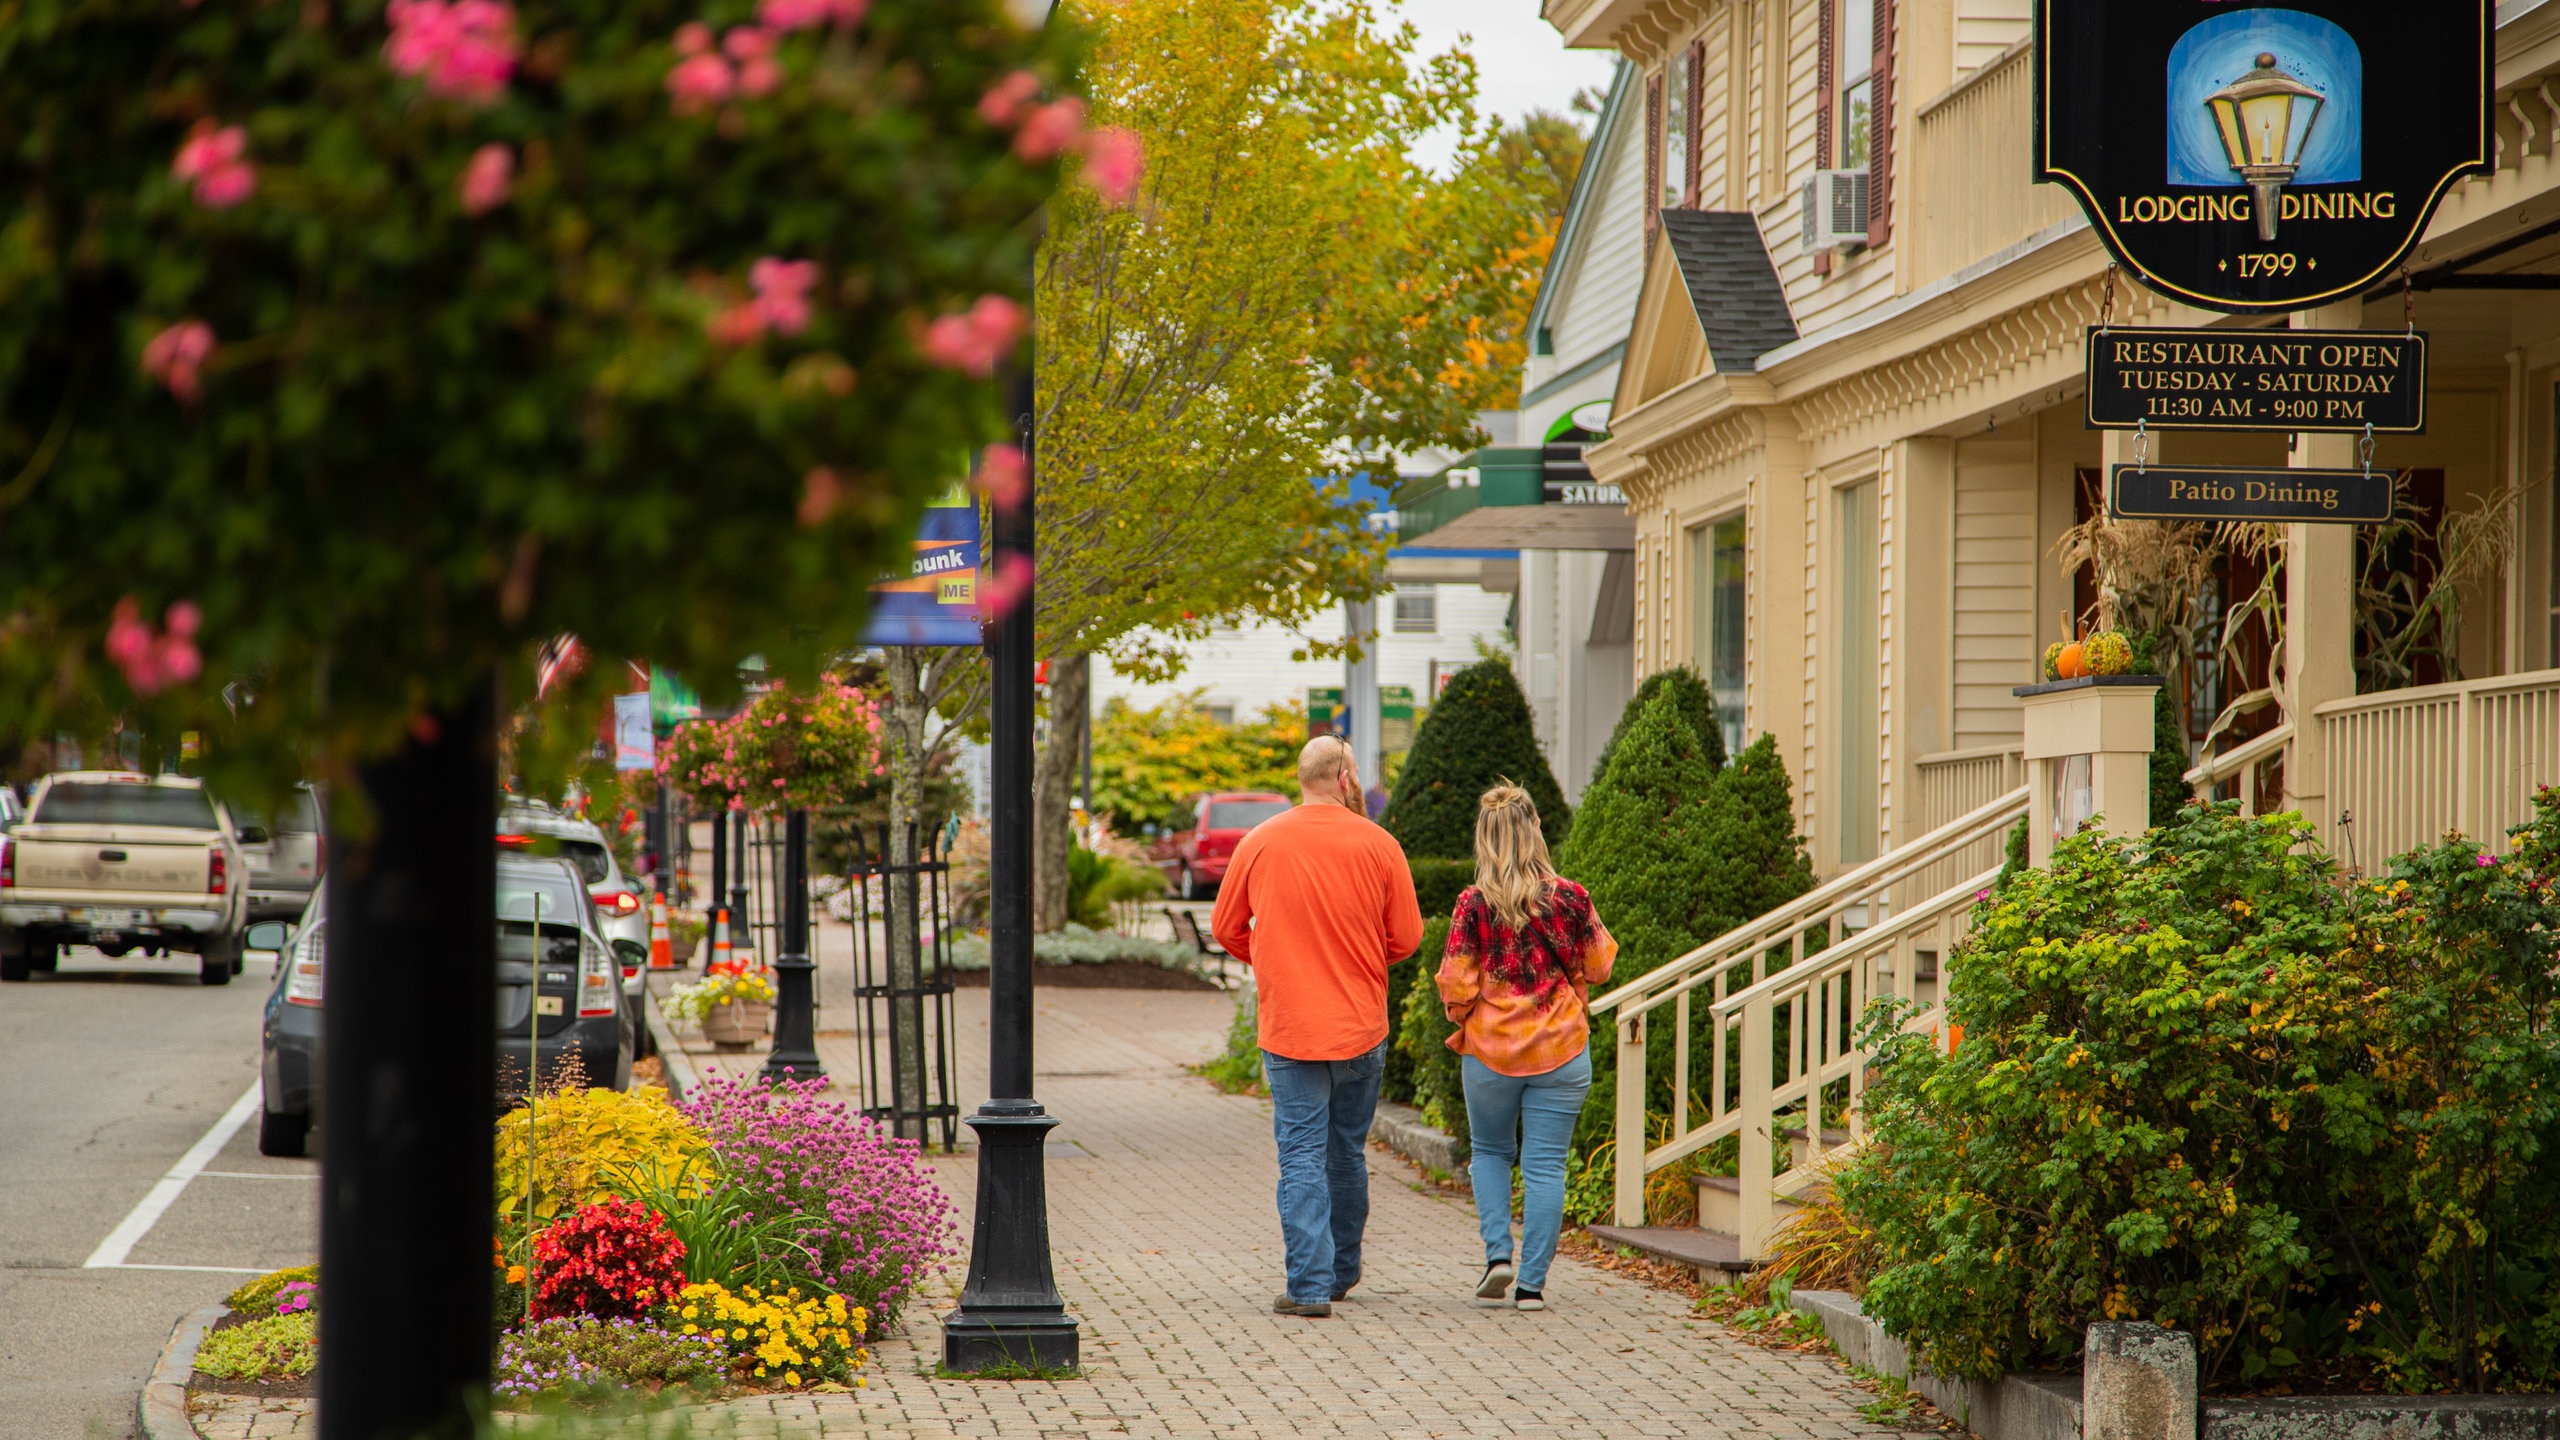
1319,901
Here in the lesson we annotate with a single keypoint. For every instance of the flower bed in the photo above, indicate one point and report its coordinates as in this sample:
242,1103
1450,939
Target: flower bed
754,1239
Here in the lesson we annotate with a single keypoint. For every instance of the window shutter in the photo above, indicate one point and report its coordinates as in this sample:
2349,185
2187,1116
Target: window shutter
1652,159
1826,82
1880,143
1695,127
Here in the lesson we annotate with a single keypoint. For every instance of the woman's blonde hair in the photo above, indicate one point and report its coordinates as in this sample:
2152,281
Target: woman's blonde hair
1513,873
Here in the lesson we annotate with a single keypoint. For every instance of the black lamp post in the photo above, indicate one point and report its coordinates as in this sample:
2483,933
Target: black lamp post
795,975
1010,1312
740,938
719,881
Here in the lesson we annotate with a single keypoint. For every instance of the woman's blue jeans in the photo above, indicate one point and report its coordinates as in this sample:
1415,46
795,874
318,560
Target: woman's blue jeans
1527,1121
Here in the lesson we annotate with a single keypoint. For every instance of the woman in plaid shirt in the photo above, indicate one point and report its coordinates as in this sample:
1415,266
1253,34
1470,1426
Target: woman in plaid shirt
1525,948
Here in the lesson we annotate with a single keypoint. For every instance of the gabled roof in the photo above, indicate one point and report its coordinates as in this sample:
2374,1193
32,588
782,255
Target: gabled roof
1732,285
1617,111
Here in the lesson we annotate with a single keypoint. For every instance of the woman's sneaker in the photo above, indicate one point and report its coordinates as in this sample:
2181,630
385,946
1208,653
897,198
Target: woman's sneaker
1497,1279
1529,1300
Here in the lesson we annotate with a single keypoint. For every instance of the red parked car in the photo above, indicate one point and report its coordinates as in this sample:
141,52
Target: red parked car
1195,859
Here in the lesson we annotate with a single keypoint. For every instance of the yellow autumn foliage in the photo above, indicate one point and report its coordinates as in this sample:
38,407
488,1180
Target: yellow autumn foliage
589,1143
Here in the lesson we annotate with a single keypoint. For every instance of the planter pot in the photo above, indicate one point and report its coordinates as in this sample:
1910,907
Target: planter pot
738,1025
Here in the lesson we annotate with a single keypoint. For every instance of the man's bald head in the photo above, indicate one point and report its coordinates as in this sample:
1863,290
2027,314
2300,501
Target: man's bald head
1322,766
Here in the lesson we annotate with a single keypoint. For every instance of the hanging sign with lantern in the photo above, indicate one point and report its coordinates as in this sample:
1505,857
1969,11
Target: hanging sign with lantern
2263,157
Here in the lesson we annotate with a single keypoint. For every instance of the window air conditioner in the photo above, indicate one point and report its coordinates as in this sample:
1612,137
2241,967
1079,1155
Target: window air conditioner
1835,210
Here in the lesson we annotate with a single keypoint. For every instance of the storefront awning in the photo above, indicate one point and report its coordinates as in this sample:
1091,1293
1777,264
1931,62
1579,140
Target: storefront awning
1534,527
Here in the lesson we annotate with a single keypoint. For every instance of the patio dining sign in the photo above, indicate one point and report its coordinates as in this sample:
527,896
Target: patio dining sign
2261,157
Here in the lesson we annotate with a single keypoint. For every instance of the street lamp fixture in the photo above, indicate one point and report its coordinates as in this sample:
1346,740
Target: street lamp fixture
2265,118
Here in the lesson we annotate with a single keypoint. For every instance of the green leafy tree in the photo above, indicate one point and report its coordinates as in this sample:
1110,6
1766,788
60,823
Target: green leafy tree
1205,352
1148,764
1696,704
1504,209
1478,734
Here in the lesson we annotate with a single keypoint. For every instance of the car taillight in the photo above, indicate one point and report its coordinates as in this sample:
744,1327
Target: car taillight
319,852
515,842
8,861
618,902
598,992
304,959
218,873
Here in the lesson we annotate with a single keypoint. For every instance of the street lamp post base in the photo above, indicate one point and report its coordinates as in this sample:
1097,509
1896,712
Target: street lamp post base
1011,1314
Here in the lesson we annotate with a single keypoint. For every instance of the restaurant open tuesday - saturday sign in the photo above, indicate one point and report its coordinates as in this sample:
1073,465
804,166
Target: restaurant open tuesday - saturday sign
2261,157
2340,381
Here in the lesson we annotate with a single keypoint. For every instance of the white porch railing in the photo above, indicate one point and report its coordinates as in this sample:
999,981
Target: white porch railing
1954,783
2243,761
1819,1002
2410,765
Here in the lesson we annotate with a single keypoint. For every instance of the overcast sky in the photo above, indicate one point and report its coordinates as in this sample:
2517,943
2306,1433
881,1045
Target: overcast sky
1521,63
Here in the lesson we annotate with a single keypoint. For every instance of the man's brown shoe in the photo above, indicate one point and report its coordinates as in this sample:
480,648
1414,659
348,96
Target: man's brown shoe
1312,1309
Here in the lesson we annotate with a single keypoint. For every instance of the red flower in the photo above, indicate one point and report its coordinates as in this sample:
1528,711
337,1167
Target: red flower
612,1259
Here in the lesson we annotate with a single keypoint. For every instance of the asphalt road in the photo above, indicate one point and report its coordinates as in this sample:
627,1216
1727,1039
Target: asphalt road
112,1072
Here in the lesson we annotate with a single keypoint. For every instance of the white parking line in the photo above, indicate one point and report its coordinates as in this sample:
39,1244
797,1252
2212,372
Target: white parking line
129,1232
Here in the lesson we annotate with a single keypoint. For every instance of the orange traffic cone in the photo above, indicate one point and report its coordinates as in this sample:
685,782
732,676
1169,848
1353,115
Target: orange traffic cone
721,961
662,944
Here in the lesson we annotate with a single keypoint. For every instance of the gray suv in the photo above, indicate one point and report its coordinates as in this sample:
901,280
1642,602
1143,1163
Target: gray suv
286,865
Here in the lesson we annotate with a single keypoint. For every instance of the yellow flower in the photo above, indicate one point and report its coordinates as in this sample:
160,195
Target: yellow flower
693,1312
515,1274
791,1378
693,1329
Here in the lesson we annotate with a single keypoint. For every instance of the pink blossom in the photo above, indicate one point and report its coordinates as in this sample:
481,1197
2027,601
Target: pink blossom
215,161
700,83
975,340
175,355
1003,587
2487,859
807,14
488,180
1050,130
758,72
1115,160
465,49
782,291
819,490
1003,475
693,38
1005,100
153,662
737,325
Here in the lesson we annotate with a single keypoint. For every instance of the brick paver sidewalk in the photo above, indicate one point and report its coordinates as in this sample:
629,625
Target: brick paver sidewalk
1168,1249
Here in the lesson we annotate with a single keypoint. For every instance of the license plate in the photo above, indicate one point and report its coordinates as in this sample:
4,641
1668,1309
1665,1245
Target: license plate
115,919
546,1005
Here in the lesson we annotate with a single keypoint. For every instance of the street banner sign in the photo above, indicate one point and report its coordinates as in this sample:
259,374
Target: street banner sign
936,602
671,701
2261,158
2345,381
1395,718
2224,492
634,743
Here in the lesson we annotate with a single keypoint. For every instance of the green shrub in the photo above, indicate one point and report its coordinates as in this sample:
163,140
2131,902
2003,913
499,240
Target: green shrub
1674,854
1689,695
1422,1033
1237,1070
2198,1085
1437,880
277,1347
1477,735
1436,883
1095,881
257,1299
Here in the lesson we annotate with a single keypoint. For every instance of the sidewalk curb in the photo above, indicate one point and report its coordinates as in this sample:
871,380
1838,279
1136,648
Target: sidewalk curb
163,1405
1401,1129
672,1060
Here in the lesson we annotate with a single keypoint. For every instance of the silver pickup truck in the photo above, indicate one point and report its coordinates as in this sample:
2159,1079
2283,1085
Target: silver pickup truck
126,863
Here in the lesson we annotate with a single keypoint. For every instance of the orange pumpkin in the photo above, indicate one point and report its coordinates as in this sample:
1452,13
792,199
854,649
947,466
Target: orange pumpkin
2067,664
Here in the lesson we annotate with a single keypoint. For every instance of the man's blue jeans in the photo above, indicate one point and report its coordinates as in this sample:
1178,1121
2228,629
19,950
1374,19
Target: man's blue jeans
1523,1120
1320,1114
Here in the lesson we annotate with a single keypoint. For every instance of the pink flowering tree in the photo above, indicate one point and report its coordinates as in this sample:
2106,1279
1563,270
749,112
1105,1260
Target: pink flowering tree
350,351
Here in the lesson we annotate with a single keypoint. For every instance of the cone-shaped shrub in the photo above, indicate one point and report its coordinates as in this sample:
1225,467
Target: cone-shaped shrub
1675,854
1696,703
1477,735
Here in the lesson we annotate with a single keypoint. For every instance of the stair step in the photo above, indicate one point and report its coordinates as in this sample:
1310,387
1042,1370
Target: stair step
1701,1250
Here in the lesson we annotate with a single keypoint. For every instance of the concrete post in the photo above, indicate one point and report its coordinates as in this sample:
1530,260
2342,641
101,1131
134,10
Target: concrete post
2137,1382
1632,1139
2319,608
